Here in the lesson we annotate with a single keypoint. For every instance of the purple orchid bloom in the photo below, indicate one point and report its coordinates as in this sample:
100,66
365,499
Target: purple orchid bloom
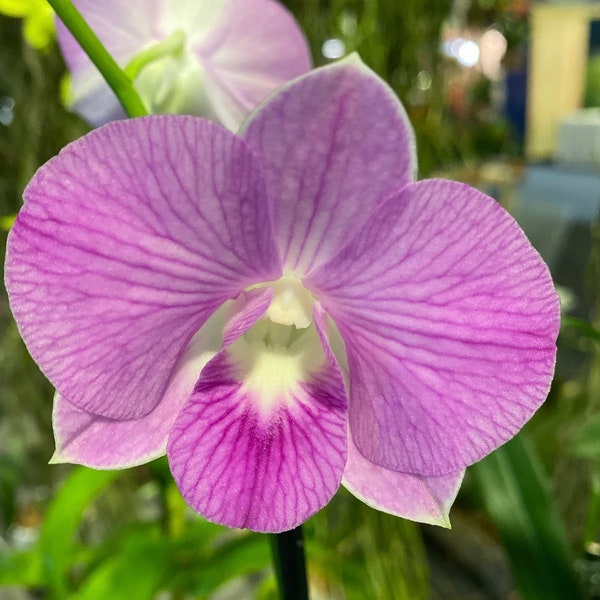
213,58
283,310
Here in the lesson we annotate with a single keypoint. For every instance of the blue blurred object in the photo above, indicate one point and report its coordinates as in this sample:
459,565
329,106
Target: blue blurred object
552,201
516,101
556,205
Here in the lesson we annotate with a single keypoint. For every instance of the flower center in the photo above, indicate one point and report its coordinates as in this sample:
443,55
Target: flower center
281,350
171,47
273,360
291,304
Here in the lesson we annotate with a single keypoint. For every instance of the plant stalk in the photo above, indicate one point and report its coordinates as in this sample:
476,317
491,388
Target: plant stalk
120,83
290,565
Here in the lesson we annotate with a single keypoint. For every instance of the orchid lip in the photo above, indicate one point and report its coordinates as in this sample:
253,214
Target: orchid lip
272,359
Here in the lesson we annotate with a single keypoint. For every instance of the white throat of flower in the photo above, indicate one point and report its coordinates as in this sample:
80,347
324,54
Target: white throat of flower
281,350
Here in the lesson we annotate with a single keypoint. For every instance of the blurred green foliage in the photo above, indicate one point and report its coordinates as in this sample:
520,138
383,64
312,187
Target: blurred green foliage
592,86
38,20
40,126
517,495
398,40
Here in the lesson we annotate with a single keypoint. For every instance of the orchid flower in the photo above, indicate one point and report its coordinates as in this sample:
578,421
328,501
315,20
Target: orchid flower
214,58
282,310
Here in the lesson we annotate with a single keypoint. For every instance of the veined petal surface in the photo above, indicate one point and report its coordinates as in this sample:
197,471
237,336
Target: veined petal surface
449,318
333,143
262,442
414,497
128,241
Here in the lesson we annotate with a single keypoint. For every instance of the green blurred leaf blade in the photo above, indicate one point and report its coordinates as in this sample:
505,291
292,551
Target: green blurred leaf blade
63,517
516,493
136,571
586,443
21,568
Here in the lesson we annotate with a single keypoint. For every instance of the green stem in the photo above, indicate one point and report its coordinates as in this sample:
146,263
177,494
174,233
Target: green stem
115,77
172,46
290,566
593,514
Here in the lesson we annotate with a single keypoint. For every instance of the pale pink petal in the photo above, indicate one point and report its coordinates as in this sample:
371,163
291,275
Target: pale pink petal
236,52
245,310
253,48
128,241
101,443
333,143
124,28
449,318
262,442
414,497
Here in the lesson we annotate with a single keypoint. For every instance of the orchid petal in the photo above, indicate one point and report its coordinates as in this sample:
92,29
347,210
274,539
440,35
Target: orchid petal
128,241
253,48
414,497
87,439
449,318
123,28
262,442
333,143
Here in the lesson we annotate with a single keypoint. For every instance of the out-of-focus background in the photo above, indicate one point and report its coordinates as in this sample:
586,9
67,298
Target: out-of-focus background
503,94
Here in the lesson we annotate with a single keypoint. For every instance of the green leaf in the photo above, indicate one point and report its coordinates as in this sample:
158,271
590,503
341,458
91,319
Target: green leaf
241,556
21,568
57,536
517,496
6,222
356,552
586,443
582,327
38,26
136,571
18,8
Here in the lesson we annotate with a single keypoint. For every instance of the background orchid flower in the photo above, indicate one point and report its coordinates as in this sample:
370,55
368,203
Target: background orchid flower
280,311
214,58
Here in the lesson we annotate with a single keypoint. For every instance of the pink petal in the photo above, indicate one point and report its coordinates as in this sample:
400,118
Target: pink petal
101,443
123,27
449,318
128,241
333,143
414,497
245,452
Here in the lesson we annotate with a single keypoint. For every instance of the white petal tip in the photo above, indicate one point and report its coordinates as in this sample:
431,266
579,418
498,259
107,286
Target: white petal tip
58,458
